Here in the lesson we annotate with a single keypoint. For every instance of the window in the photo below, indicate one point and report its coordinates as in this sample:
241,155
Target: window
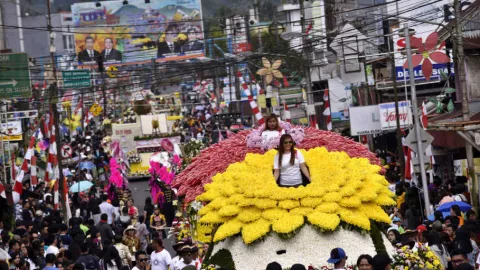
68,43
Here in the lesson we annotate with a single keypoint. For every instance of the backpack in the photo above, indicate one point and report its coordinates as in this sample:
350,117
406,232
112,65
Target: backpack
459,198
90,263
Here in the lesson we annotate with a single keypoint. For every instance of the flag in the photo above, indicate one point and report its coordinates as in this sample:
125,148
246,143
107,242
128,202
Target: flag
33,171
327,112
423,117
286,113
285,82
2,191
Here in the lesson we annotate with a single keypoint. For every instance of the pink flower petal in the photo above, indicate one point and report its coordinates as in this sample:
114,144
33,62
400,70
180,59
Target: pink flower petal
416,60
427,69
417,43
439,57
431,41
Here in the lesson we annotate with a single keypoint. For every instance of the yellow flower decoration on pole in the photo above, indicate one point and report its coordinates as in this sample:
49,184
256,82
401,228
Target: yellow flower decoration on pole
246,200
270,70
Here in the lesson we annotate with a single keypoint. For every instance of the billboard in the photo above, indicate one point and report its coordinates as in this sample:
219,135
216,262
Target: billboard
137,32
388,116
11,131
365,120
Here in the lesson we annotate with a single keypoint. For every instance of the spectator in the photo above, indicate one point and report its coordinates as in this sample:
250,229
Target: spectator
123,250
141,261
160,258
381,262
107,208
365,262
338,258
50,260
104,228
458,258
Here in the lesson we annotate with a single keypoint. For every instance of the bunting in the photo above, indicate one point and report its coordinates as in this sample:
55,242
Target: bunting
327,112
253,103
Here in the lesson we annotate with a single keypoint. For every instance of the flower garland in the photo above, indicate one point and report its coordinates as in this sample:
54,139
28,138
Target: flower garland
246,199
424,257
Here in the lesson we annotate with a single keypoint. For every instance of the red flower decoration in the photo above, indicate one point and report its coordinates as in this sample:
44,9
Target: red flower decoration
427,52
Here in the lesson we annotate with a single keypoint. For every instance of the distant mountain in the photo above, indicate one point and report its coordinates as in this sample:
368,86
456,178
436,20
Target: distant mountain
211,8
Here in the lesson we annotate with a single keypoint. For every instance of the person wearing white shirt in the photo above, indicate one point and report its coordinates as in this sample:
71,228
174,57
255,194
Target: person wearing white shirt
160,259
289,164
272,129
185,260
51,241
107,208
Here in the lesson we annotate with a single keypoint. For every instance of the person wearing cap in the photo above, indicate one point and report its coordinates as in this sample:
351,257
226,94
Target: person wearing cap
397,224
131,241
177,247
196,257
338,258
186,258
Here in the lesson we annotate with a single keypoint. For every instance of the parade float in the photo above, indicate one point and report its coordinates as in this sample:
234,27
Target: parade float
249,221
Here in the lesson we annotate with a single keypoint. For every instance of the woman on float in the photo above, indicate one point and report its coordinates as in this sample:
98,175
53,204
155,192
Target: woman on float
289,164
272,128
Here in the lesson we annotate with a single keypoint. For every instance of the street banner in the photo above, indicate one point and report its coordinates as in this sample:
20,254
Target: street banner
167,30
11,131
388,116
125,134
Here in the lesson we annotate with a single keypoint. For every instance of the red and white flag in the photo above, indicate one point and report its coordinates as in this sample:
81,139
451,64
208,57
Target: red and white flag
2,191
327,112
423,118
286,113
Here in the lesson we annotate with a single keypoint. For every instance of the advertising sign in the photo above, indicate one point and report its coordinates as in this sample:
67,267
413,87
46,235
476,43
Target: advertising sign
15,76
125,134
365,120
417,71
388,117
137,32
11,131
76,78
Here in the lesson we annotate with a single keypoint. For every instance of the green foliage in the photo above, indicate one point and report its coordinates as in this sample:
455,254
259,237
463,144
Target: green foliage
223,258
450,90
377,239
156,136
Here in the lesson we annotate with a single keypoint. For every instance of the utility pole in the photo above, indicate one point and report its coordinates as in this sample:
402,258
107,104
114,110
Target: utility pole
460,66
53,102
401,157
417,122
306,53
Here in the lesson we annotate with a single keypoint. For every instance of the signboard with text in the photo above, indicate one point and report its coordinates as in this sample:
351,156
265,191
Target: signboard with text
125,134
365,120
388,117
11,131
76,78
14,76
402,73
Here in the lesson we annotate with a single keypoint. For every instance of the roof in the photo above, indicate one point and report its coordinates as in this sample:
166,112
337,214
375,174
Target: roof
470,27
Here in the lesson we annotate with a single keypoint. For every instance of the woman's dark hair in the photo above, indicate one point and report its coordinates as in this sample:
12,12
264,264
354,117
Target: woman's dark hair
470,213
141,219
13,256
456,210
270,117
462,241
397,234
380,261
442,193
148,201
112,255
125,210
433,238
366,257
281,150
438,216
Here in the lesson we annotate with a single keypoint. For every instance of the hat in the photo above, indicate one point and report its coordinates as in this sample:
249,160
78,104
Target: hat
186,249
129,228
39,213
178,245
421,228
396,219
336,255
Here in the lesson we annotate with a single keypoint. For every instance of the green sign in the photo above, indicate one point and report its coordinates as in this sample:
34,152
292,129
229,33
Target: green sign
76,78
14,76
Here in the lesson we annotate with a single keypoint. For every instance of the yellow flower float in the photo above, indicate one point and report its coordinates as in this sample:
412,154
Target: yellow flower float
345,194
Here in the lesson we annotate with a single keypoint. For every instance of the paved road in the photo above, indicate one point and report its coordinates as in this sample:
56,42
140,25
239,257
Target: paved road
139,193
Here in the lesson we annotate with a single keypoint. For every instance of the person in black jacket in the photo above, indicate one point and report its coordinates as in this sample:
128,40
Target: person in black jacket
169,46
88,260
106,232
89,54
109,54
